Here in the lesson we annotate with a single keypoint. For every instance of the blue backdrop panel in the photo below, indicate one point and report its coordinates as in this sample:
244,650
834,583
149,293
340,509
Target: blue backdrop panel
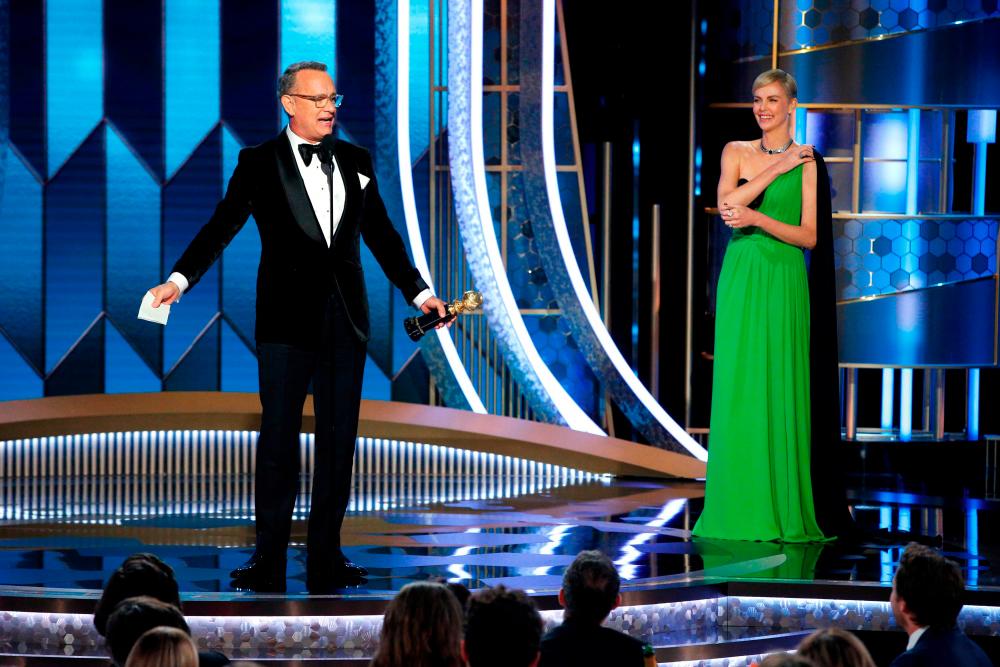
249,60
240,259
82,369
21,271
124,370
198,370
27,86
191,76
133,88
308,32
133,245
74,70
237,363
18,379
74,248
188,202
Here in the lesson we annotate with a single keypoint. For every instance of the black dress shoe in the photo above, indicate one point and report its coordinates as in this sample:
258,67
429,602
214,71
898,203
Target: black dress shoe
257,562
350,568
260,575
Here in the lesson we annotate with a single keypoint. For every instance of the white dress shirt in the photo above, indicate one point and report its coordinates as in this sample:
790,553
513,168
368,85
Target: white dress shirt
316,184
915,637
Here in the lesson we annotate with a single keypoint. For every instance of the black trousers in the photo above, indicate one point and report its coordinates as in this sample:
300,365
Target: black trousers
336,368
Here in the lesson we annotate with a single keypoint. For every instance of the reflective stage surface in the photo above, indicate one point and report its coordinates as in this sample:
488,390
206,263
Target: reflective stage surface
420,511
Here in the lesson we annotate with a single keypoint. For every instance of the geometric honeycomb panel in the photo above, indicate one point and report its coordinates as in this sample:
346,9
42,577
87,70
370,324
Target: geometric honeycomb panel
812,23
885,256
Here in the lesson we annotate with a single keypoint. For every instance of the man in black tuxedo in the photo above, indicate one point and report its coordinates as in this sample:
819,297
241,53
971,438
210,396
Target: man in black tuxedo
314,198
926,599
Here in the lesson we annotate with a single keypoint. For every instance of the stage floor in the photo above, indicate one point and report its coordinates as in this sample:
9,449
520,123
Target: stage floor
71,512
521,531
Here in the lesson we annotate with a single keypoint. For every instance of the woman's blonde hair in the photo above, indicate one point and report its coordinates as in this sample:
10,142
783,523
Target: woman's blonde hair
786,80
833,647
163,647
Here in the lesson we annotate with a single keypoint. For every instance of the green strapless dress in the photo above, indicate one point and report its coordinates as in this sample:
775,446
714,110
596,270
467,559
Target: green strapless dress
758,485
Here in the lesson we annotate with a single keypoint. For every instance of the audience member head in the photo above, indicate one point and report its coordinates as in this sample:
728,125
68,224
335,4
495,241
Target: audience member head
459,590
422,628
140,574
503,629
163,647
590,588
133,617
786,660
833,647
927,590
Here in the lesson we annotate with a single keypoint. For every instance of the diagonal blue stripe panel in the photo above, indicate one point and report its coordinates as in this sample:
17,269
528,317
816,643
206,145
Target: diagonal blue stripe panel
238,365
249,62
308,32
188,202
124,371
133,87
199,369
21,270
17,380
191,98
26,50
133,246
74,248
241,257
82,369
74,73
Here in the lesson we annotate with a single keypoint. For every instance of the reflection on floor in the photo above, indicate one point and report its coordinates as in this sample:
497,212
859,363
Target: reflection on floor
498,524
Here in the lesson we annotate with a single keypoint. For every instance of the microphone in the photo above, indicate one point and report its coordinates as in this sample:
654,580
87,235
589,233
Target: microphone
325,152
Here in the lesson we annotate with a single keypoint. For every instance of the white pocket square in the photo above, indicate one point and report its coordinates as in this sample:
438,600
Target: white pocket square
364,180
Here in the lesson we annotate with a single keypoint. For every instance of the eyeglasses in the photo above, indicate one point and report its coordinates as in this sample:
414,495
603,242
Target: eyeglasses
322,100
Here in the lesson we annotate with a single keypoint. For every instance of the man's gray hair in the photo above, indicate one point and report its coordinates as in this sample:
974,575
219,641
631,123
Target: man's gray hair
287,80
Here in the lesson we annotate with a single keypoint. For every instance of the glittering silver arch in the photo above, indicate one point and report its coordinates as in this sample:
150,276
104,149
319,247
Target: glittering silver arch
547,397
553,242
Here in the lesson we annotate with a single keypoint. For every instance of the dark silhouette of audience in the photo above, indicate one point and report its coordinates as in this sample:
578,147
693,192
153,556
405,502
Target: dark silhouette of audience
503,629
833,647
163,647
926,599
422,628
590,590
135,616
149,586
139,574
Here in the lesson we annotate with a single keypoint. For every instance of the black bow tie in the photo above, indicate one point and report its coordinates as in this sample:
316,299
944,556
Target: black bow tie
308,150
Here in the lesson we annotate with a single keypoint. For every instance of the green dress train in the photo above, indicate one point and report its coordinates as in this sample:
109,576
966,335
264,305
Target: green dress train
758,485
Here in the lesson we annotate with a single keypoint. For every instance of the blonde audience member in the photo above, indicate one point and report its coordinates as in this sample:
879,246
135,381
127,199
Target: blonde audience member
833,647
163,647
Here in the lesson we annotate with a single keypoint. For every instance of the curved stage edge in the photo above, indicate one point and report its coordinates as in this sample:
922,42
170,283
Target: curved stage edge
545,443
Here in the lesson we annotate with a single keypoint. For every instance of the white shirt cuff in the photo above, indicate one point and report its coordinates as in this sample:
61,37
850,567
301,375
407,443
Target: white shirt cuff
180,281
419,299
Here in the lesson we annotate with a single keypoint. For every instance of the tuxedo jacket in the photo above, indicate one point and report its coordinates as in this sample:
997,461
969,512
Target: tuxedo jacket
298,272
939,647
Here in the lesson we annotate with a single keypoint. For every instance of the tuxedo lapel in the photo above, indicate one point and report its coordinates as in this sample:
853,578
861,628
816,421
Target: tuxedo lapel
295,190
352,189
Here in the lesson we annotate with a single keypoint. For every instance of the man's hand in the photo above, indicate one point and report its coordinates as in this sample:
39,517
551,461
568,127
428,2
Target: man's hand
167,293
434,303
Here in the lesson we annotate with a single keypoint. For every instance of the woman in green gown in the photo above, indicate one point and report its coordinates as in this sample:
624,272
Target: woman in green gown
759,485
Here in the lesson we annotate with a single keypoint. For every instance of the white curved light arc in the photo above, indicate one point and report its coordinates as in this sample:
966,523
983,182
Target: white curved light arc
574,416
566,247
409,198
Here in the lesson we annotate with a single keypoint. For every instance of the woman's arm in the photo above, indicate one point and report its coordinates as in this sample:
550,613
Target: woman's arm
803,235
731,193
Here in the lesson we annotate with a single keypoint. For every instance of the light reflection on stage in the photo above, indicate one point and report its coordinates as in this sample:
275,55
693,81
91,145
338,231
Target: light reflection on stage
74,508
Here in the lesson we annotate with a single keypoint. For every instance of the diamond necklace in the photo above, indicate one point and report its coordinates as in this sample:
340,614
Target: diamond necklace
772,151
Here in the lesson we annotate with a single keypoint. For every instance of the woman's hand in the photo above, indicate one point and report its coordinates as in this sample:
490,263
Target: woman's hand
736,216
793,157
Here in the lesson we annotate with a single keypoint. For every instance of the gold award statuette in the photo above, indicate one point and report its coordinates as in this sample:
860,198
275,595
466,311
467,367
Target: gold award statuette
416,327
